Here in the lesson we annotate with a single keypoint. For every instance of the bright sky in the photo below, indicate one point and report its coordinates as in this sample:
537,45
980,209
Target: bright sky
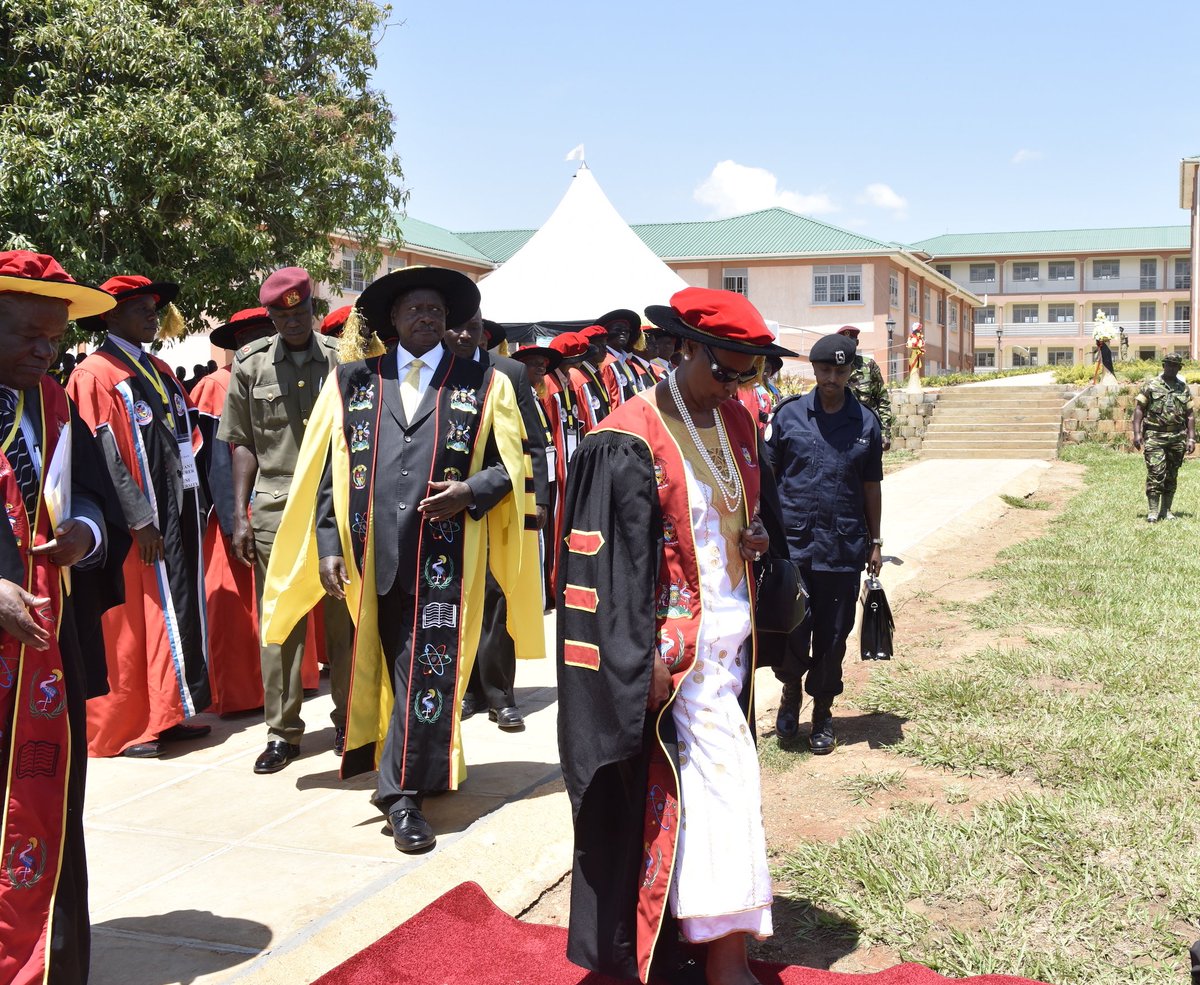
897,120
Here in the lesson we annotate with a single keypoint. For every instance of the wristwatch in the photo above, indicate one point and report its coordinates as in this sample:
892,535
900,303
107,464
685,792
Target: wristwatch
877,541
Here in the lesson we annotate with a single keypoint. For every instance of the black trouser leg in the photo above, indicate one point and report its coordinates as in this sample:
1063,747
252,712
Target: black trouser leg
397,611
495,667
817,646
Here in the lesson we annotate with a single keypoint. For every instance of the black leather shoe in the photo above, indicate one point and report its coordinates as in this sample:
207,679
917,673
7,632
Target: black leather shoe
509,719
822,741
143,750
787,721
276,756
469,706
339,739
181,733
410,831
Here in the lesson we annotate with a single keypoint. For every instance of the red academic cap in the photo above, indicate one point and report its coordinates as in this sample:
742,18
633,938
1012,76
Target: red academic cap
721,319
247,320
286,288
592,331
335,321
26,272
126,286
569,344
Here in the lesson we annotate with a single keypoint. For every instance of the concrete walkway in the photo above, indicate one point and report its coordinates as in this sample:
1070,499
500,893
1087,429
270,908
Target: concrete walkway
202,872
1029,379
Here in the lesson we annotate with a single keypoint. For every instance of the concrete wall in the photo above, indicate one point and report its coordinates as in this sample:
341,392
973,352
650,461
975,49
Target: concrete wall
1105,414
911,414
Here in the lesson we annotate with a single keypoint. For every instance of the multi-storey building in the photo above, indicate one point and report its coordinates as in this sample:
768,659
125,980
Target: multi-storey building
808,276
1042,291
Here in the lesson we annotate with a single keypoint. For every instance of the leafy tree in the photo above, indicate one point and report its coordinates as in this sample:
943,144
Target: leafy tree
201,141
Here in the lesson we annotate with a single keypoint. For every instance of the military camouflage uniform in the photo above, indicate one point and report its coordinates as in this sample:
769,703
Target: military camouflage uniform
1165,409
867,383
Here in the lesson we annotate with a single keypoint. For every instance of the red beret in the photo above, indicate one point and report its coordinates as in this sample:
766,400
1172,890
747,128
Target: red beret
723,319
286,288
592,331
849,328
335,321
26,272
569,344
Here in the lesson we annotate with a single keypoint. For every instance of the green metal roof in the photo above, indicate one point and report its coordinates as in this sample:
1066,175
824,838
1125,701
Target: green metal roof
769,232
1132,239
425,235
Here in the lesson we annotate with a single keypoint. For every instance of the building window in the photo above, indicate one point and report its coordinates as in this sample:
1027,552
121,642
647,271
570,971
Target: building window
985,358
837,285
894,290
943,269
736,279
1183,274
1025,313
1025,272
1060,312
985,315
1148,355
953,313
1149,275
928,306
1106,269
983,273
913,302
1060,357
1061,270
352,271
396,263
941,311
1183,316
1110,310
1147,317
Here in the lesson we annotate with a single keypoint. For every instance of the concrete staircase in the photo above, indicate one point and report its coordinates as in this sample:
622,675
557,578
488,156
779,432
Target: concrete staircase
996,422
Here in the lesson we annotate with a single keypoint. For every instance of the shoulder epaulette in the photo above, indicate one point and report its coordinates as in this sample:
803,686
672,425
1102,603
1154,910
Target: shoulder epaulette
258,345
787,400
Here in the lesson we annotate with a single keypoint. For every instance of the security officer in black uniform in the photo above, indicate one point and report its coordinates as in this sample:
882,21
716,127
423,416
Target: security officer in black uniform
826,450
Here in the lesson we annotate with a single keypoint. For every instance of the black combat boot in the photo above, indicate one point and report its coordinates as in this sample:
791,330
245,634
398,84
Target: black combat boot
787,721
1164,512
1152,512
822,740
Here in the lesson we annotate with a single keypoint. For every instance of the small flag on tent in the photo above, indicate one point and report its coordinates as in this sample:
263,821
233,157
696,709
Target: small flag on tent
575,154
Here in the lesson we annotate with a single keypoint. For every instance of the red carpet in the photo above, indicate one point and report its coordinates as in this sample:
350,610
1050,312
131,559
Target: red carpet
463,939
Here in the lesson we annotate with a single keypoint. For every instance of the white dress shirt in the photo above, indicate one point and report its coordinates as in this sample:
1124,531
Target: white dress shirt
431,359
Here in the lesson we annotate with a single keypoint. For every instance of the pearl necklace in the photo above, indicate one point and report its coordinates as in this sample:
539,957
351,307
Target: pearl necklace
727,482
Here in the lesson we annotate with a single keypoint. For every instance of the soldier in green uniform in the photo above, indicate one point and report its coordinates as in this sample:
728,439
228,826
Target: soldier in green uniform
866,383
272,389
1164,425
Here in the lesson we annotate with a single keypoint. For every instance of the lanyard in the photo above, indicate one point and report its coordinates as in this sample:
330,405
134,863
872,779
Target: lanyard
12,434
545,422
155,381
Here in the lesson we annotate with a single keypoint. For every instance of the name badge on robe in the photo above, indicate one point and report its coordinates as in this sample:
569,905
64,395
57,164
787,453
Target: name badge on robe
187,462
551,451
571,443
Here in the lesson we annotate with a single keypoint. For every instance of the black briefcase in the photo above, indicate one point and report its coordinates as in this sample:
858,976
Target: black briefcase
875,638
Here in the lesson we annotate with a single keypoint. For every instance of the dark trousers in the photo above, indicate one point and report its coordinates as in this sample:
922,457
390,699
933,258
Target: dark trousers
817,646
397,620
495,667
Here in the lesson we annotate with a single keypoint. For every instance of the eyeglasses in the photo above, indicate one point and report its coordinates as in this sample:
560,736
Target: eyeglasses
723,374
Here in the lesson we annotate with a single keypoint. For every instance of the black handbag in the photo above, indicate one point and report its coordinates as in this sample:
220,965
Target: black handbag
780,601
875,638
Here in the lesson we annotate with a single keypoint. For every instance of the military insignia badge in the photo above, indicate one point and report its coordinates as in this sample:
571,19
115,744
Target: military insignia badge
362,398
142,413
360,437
428,706
358,476
291,299
439,571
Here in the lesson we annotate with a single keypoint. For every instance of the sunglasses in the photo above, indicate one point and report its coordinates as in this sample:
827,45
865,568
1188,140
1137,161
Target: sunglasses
723,374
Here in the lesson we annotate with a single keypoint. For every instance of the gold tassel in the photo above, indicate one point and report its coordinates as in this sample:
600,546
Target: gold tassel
503,348
640,344
375,347
759,364
171,324
351,348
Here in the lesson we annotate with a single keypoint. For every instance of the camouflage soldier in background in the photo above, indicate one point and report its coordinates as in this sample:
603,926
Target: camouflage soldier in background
1164,424
866,382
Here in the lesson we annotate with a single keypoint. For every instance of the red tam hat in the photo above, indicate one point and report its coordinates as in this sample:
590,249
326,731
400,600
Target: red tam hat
286,288
227,336
26,272
720,319
593,331
126,286
569,344
335,321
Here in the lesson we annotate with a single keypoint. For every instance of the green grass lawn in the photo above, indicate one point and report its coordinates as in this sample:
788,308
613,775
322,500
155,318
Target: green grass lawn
1095,877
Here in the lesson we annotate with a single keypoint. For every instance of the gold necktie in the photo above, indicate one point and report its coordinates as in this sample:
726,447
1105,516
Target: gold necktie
410,389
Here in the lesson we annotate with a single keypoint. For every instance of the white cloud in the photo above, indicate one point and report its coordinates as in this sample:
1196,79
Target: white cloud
733,188
884,197
1025,155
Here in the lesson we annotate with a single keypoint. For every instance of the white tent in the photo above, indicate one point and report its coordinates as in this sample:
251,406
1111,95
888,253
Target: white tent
583,262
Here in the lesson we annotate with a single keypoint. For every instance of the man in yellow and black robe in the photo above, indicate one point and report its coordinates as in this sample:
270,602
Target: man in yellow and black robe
413,477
